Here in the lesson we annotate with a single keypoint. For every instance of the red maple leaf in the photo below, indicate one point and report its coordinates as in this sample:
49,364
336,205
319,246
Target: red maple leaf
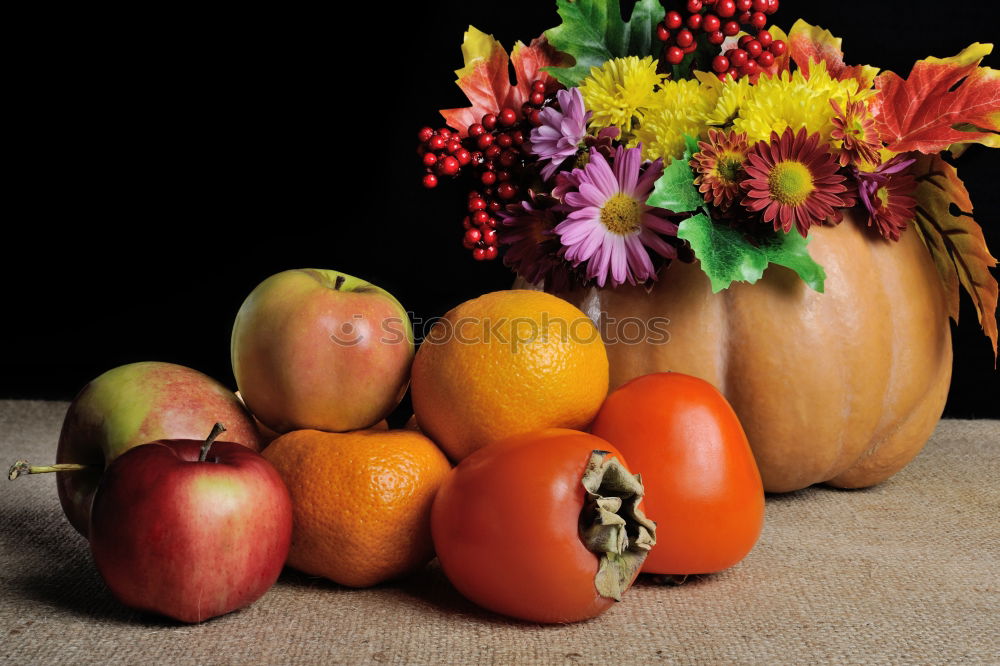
943,102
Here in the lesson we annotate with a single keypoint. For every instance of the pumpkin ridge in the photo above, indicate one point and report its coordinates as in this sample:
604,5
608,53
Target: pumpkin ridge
877,436
882,460
899,307
846,457
896,444
725,343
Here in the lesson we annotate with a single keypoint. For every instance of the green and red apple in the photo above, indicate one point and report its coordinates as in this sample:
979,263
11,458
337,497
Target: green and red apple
322,350
190,529
135,404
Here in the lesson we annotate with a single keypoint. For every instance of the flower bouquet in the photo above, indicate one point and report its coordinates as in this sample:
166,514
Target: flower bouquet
657,166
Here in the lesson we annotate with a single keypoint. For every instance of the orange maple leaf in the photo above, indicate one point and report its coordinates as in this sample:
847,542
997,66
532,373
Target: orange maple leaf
485,78
955,242
807,43
944,101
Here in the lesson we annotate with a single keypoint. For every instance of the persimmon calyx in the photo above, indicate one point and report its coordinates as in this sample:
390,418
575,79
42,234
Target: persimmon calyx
611,524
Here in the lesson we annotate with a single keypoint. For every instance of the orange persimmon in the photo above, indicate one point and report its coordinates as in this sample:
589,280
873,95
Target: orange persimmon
703,488
543,527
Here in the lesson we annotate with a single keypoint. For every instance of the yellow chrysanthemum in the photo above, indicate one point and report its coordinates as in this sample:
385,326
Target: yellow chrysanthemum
680,108
793,101
731,98
619,90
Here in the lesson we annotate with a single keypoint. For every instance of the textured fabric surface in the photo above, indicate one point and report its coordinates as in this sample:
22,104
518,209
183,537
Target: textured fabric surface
906,572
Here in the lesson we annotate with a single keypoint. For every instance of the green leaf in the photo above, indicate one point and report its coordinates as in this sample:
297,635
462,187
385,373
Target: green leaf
675,190
593,32
790,250
727,256
692,145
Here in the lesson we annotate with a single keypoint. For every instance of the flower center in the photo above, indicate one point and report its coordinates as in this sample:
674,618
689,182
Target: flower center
790,183
882,197
729,167
582,159
540,230
854,132
621,214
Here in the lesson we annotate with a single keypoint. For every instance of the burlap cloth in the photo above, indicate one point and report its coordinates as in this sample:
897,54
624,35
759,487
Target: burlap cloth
907,572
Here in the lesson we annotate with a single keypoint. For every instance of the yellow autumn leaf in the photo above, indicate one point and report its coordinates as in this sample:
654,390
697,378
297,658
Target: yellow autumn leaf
477,47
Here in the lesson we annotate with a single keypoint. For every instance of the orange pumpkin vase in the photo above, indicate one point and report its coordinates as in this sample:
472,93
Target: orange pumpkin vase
842,387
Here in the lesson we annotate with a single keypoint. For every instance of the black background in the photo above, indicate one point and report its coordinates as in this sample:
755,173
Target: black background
164,163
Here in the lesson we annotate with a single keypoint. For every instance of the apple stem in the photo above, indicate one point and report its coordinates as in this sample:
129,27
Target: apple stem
22,467
339,282
217,430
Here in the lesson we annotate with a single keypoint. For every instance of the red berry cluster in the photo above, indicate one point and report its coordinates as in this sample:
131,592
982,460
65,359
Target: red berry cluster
719,19
750,57
494,151
442,153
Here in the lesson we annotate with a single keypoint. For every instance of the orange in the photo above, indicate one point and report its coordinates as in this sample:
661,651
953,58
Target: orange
507,363
361,501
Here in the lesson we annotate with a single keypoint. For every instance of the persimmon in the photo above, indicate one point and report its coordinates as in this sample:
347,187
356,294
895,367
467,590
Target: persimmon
703,488
543,527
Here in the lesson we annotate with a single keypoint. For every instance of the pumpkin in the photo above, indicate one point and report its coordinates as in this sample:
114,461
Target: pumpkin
842,388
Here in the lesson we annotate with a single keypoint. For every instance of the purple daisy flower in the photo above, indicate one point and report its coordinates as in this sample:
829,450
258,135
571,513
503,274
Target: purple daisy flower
609,225
562,130
566,181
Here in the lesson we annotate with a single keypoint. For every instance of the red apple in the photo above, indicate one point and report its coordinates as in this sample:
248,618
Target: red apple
134,404
190,529
318,349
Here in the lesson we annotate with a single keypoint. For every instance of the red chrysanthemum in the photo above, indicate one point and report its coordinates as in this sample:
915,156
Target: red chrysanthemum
534,250
719,166
894,206
793,181
855,129
887,194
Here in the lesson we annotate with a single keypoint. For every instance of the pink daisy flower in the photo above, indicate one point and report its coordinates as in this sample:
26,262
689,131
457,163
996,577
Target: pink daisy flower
609,227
